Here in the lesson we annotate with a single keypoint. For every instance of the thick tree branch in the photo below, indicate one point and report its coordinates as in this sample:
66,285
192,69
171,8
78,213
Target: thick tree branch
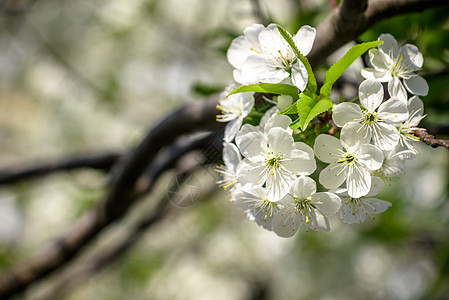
123,192
430,139
99,162
354,17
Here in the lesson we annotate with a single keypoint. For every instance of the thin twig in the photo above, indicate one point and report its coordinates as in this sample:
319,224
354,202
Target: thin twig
99,162
430,139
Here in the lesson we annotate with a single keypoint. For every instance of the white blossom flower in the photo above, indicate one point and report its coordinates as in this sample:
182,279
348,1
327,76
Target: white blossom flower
256,204
228,171
242,47
349,161
234,108
393,164
355,210
272,59
416,109
375,121
273,159
303,206
391,64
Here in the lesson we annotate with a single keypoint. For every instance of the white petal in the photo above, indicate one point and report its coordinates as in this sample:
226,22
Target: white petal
370,156
413,59
351,212
247,100
304,39
281,121
303,188
333,176
231,156
397,89
375,206
284,102
317,221
346,112
358,181
327,148
385,136
286,222
299,75
278,184
390,45
371,73
379,60
377,185
416,110
371,94
238,77
301,160
393,111
417,85
280,141
238,51
404,155
355,133
252,144
248,194
246,128
273,43
252,173
268,114
252,35
327,203
232,128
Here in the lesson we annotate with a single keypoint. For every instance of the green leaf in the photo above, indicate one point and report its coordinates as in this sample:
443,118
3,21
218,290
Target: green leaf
295,124
340,66
272,88
302,58
310,106
293,109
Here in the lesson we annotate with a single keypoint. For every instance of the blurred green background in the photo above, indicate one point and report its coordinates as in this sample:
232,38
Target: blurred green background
92,76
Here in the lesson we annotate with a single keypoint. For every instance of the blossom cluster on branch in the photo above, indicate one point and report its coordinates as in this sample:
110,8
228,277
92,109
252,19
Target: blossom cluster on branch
269,154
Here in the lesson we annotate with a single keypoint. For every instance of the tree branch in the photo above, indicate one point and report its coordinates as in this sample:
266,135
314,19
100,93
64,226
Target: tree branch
99,162
354,17
430,139
122,194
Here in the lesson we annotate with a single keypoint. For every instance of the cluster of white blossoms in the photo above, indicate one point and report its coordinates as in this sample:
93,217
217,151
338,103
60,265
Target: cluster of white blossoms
266,165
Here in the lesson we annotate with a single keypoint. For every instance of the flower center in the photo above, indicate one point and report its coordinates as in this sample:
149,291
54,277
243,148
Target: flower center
274,161
370,117
304,207
347,158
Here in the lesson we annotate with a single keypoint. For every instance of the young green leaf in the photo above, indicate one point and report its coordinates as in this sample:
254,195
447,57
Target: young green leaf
310,106
302,58
293,109
272,88
340,66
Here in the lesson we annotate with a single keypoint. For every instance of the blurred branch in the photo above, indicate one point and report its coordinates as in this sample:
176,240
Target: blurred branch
123,192
258,12
120,247
430,139
99,162
354,17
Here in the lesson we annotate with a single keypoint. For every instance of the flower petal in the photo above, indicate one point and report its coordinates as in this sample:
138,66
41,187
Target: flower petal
299,75
371,73
301,160
280,141
286,222
317,221
375,206
371,94
252,35
231,156
393,111
417,85
379,60
303,188
385,136
390,45
246,128
358,180
327,203
232,128
252,144
304,39
346,112
413,59
238,51
252,173
377,185
281,121
397,89
333,176
351,212
327,148
258,68
355,133
370,156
